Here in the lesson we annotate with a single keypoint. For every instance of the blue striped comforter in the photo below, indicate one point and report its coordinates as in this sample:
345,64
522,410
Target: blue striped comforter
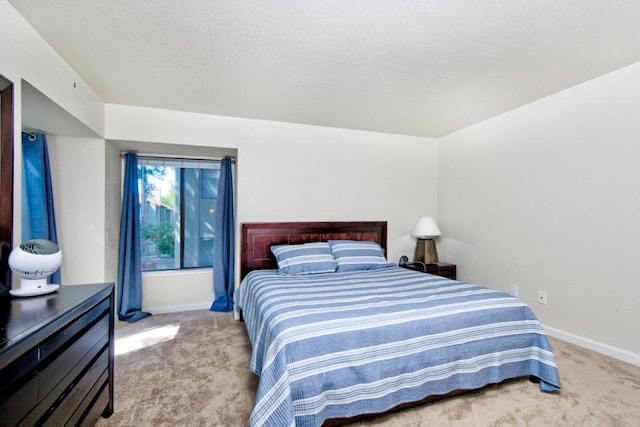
342,344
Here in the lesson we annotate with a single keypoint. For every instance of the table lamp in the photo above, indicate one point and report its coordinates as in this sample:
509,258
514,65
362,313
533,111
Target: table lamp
424,232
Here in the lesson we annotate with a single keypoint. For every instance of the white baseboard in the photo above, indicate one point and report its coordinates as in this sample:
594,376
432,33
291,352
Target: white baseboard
616,353
177,308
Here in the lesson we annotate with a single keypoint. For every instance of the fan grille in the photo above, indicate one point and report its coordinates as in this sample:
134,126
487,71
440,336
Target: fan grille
39,247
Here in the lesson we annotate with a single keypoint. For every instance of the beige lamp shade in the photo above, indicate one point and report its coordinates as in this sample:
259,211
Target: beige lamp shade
425,228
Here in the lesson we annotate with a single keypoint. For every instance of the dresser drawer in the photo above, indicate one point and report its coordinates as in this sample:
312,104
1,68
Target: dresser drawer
12,376
63,364
56,366
57,379
17,405
96,408
101,386
57,342
74,396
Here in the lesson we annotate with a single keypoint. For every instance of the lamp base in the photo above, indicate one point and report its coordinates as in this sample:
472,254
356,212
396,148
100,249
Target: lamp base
426,251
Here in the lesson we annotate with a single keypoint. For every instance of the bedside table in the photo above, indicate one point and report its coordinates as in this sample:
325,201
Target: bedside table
440,269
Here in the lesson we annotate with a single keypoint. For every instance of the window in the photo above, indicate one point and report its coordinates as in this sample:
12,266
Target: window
177,205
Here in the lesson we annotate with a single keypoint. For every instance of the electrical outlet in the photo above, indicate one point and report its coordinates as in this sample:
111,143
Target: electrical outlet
513,290
542,297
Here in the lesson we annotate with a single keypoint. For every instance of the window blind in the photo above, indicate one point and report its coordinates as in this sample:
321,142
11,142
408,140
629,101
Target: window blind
179,163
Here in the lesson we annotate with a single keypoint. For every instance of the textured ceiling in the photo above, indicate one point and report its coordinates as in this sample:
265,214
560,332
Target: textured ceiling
413,67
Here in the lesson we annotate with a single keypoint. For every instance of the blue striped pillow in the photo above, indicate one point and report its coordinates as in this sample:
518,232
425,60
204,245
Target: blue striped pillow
307,258
354,255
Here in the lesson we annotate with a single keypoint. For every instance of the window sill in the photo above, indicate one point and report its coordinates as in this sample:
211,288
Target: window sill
186,272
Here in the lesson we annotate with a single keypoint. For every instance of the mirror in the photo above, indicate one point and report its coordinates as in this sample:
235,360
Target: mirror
6,179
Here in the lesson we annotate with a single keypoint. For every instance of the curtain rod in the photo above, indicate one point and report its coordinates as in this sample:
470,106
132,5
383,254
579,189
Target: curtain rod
178,158
31,133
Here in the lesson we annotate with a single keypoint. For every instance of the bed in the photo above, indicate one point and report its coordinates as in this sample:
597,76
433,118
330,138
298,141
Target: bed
336,345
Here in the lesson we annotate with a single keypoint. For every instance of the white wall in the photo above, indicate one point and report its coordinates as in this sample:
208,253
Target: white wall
289,172
546,197
112,206
27,58
78,180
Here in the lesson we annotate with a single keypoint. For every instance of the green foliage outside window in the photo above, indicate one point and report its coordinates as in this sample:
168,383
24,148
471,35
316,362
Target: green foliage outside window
161,235
170,198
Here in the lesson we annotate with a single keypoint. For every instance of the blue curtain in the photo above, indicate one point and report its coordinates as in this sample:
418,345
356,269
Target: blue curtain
38,213
224,241
129,268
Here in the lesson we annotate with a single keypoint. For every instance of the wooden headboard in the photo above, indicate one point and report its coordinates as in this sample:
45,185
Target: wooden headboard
257,238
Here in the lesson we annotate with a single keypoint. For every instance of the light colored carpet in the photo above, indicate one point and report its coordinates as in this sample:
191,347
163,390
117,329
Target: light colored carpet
192,370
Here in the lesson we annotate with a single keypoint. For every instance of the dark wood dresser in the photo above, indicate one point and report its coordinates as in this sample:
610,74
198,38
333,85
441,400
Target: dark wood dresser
56,363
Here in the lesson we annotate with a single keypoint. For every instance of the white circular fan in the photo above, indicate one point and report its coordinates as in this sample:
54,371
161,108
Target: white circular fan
34,261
